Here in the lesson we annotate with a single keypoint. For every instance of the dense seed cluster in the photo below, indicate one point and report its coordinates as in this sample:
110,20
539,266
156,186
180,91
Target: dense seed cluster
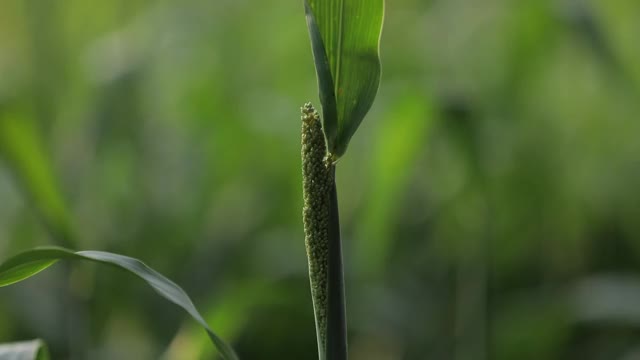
316,181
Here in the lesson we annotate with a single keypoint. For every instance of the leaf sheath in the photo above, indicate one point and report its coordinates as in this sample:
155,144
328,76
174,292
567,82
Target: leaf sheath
322,240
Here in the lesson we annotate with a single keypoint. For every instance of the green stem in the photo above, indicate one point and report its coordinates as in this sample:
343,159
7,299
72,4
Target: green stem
322,239
336,347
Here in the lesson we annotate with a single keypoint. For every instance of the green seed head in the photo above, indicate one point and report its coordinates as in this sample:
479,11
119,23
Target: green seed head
316,181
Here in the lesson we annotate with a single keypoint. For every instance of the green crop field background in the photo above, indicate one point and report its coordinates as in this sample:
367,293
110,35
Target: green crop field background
489,203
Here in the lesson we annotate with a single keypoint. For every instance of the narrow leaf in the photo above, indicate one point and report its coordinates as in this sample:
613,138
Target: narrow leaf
29,263
24,350
345,38
22,151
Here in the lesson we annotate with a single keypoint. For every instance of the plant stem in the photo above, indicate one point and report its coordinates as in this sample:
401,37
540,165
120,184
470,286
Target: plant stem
336,347
322,239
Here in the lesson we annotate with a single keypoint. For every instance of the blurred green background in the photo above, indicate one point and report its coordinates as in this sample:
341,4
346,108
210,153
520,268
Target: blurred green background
489,201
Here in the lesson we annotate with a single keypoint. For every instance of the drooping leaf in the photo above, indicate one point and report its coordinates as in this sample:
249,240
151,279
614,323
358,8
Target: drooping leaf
24,350
31,262
345,39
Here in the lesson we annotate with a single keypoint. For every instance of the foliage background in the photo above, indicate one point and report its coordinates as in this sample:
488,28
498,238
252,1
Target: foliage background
488,202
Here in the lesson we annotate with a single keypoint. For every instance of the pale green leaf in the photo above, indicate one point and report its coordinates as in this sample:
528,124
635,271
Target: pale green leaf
24,350
345,38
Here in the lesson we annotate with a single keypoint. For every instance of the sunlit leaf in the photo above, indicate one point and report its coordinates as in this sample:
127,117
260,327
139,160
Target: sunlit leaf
345,38
396,147
29,263
24,350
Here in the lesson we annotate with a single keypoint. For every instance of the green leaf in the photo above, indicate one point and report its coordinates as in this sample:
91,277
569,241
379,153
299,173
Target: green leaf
22,150
31,262
24,350
345,39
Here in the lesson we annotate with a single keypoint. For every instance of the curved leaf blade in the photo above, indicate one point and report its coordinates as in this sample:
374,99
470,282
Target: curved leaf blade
349,32
323,72
31,262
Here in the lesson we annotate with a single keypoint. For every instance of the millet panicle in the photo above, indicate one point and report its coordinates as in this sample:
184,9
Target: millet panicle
316,180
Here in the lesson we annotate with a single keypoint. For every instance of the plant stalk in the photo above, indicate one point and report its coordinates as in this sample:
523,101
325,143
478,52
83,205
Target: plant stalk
336,347
322,239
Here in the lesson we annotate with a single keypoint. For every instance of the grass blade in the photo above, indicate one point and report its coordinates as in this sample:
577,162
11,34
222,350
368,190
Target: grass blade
31,262
22,150
345,38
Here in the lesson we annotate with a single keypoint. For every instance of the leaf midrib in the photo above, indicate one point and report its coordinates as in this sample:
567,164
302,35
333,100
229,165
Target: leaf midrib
339,55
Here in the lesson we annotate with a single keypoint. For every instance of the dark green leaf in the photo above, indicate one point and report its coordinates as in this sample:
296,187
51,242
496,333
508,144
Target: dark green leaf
29,263
345,38
336,346
24,350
